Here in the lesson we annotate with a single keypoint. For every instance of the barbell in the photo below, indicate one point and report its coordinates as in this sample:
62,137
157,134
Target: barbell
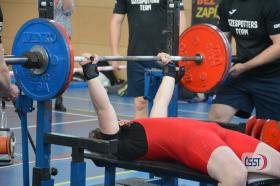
32,59
43,59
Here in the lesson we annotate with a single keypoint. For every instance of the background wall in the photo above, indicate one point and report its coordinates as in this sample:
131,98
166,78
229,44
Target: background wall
90,24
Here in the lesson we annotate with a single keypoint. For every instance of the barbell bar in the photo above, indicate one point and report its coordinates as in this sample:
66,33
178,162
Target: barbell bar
21,60
43,49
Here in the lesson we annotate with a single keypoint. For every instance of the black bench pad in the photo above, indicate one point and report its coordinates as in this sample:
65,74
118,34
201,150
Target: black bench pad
158,168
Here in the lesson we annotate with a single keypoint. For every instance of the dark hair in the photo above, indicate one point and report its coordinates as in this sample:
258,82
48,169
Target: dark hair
95,134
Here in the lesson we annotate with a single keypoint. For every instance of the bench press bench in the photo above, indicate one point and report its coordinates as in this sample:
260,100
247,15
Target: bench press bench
168,171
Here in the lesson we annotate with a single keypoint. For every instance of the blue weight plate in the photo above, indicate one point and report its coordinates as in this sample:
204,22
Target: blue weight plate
41,32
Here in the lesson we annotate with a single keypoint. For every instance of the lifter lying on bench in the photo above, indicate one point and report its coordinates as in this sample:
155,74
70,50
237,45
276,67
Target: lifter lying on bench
203,146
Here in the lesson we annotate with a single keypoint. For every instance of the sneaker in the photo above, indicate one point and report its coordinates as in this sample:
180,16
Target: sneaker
60,107
122,90
59,104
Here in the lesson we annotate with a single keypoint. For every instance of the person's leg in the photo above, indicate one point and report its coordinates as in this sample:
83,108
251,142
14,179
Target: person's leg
273,160
245,147
226,167
221,113
231,99
135,88
206,151
266,95
271,171
140,107
59,106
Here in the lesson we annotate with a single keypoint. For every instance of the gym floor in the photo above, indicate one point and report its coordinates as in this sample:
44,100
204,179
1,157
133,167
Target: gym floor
79,120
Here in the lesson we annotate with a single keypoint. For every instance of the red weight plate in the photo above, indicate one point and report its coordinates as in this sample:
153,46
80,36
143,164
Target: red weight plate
271,134
250,124
257,128
209,42
71,57
11,144
4,144
228,45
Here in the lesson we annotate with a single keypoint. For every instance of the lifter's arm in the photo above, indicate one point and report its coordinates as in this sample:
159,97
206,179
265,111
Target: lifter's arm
106,114
104,109
165,91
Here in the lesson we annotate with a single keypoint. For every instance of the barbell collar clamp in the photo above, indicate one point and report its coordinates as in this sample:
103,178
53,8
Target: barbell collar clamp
36,59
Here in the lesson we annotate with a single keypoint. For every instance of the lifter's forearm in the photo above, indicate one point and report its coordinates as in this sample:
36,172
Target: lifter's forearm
163,97
106,114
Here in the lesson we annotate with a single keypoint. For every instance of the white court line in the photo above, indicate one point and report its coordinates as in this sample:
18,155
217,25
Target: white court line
193,112
32,162
118,103
129,116
74,114
58,123
67,113
92,111
88,100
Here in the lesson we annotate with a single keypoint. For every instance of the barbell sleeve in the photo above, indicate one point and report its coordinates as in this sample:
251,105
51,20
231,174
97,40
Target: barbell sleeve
29,59
15,60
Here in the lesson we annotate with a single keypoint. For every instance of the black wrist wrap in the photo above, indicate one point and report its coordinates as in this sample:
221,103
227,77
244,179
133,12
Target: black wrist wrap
169,70
90,71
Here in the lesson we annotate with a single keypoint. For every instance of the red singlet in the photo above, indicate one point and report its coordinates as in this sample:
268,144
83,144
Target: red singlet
191,142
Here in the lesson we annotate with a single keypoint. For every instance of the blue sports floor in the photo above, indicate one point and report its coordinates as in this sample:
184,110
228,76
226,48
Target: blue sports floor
79,120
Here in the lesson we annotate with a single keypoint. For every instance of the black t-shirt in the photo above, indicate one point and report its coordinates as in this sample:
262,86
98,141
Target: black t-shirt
251,22
147,21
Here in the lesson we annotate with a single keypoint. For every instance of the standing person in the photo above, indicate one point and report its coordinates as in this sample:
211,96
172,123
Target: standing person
146,21
7,90
63,9
254,81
